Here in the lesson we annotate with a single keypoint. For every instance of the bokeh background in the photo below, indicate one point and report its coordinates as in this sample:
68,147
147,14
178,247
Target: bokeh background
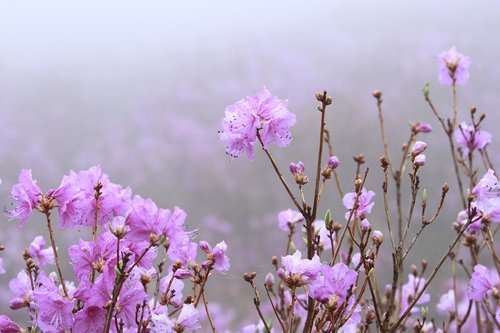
141,88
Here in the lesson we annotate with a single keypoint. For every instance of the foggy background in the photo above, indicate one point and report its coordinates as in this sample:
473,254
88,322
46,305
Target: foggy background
141,88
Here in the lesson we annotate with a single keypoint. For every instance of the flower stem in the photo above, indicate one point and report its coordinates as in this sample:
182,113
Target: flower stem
56,257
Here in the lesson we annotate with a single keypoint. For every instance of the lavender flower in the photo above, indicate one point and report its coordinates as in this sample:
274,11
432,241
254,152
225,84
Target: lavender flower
453,67
8,326
446,303
410,290
287,219
216,256
365,203
481,282
262,112
37,251
332,286
487,194
470,139
27,195
296,271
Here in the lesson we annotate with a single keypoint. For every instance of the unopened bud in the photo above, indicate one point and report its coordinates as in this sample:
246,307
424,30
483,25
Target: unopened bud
423,128
384,163
377,94
365,225
445,188
377,237
357,185
414,270
248,277
423,263
269,280
360,159
337,227
274,261
419,160
418,148
205,247
182,274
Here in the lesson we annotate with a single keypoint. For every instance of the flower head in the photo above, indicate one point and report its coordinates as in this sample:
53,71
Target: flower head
27,195
333,284
487,194
8,326
481,282
365,203
263,113
287,219
470,138
37,250
453,67
297,271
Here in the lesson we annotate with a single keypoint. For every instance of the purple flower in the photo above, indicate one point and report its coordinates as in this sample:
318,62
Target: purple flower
176,288
8,326
76,196
410,290
91,318
321,230
333,284
297,271
37,251
144,219
262,112
453,66
487,194
27,195
288,218
481,282
333,162
20,287
189,319
365,203
469,138
55,313
446,303
217,255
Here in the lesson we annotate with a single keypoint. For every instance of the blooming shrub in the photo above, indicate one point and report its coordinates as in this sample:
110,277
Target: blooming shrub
140,270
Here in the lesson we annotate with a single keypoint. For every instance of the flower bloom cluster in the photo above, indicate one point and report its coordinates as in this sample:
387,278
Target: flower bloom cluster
114,268
262,114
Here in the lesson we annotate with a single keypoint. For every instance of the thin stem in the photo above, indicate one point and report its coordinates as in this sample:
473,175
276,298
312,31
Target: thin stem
280,176
320,153
208,313
56,257
431,277
202,287
275,311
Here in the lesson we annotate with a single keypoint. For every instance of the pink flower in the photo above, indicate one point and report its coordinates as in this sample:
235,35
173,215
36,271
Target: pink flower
481,282
90,319
217,255
333,284
189,318
410,290
27,195
288,218
469,138
262,112
297,271
20,287
365,203
453,66
446,303
55,313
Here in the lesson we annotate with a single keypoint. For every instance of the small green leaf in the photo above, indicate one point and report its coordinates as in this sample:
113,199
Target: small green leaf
426,90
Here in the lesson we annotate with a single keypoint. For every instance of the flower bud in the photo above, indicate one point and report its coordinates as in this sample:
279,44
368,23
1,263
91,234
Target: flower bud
423,128
377,237
205,247
365,225
418,148
182,274
419,160
297,170
269,280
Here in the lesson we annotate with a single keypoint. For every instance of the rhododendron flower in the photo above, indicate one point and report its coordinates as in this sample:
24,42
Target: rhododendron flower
217,255
91,318
481,282
20,287
27,195
8,326
262,112
446,303
333,284
487,194
469,139
76,197
189,318
453,66
365,203
297,271
287,219
410,290
174,293
37,251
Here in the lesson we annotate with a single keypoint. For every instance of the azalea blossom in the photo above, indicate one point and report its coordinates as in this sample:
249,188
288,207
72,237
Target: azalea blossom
365,203
262,112
453,66
297,271
469,138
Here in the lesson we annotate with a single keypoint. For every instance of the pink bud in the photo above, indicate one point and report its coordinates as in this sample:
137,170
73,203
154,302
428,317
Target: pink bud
182,274
419,160
333,162
418,148
365,225
205,247
423,128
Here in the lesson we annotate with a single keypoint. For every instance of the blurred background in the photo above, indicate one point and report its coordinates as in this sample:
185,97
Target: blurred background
141,90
